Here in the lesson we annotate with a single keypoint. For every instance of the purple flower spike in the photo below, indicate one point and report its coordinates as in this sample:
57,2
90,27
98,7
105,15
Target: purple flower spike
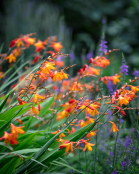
89,55
72,55
136,73
124,67
103,46
114,172
110,87
111,154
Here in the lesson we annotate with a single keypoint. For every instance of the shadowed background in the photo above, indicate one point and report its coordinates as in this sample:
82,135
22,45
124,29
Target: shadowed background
78,24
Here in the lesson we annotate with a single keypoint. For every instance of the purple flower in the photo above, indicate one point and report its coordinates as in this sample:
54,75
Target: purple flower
104,21
72,55
136,73
89,55
114,172
111,154
124,67
103,46
123,164
127,141
110,86
120,120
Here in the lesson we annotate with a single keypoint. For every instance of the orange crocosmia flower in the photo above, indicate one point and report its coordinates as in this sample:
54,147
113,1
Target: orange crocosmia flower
88,146
92,71
9,137
59,76
114,127
113,99
122,112
59,63
36,59
21,102
61,115
42,75
37,97
57,46
82,123
72,130
28,40
13,42
17,52
100,61
91,109
61,135
15,130
134,88
64,74
34,111
68,145
91,134
39,46
19,121
11,58
56,132
76,87
48,66
19,43
115,79
90,120
123,100
104,79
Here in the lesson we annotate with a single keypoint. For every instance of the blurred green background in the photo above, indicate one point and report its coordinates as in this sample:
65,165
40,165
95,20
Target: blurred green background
78,24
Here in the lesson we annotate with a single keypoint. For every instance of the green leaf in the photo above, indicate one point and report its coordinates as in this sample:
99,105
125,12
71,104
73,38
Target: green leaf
7,146
10,166
24,151
26,143
46,107
65,165
1,47
7,116
4,102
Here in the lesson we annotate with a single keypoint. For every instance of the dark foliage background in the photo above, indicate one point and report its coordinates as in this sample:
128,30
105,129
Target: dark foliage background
83,24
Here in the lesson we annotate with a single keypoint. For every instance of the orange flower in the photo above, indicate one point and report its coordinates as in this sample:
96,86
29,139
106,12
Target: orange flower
15,130
134,88
68,145
88,146
19,121
59,63
39,46
47,67
123,100
11,58
57,46
28,40
59,76
9,137
115,79
34,111
82,123
92,71
91,134
42,75
114,127
37,97
17,52
61,115
21,102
